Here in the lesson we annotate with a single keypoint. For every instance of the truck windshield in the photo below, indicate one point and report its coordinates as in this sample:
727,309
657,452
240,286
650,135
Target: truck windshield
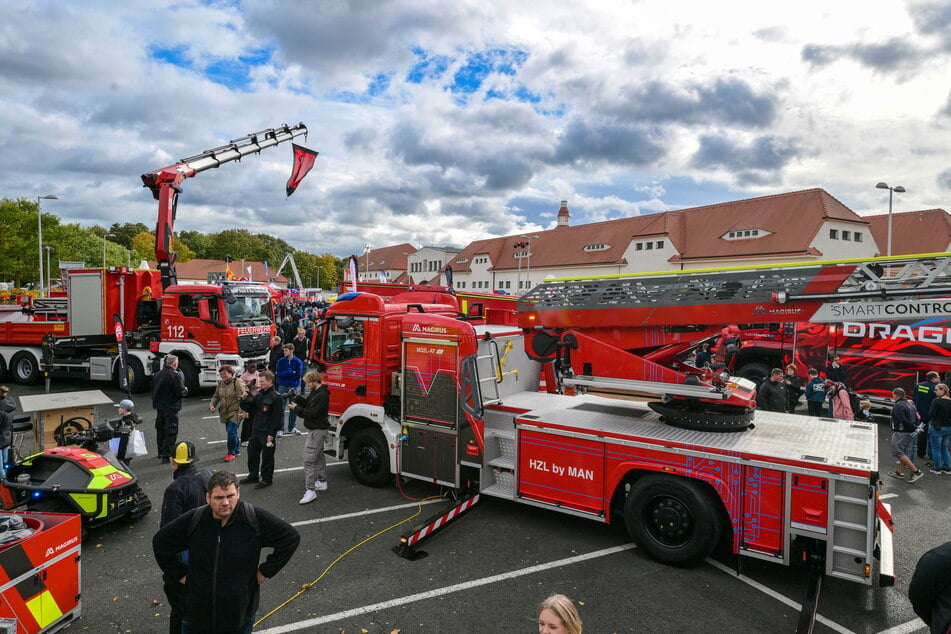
342,343
254,309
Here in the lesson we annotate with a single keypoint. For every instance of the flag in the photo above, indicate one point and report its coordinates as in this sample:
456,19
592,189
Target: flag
303,162
267,271
123,362
381,275
448,273
353,273
228,274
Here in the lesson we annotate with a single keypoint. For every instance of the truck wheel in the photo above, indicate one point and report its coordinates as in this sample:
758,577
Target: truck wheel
368,457
190,372
24,368
756,372
138,382
674,519
3,369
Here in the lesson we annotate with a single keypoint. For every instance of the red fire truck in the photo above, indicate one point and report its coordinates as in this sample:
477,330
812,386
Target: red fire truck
425,390
205,325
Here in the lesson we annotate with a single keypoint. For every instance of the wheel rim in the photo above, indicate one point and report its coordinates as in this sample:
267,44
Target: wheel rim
24,369
368,459
668,521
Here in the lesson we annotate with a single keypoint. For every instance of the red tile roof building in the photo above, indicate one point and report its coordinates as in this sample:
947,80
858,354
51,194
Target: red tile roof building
796,226
926,231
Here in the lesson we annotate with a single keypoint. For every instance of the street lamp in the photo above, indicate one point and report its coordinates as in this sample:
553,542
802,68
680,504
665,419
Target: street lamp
528,263
108,235
49,278
366,252
39,231
900,190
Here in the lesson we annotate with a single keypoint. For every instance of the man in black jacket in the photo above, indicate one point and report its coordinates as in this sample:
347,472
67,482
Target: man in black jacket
224,540
168,388
930,588
266,410
186,492
313,410
771,395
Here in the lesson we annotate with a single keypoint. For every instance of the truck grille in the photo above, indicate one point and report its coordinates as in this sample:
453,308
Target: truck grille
253,344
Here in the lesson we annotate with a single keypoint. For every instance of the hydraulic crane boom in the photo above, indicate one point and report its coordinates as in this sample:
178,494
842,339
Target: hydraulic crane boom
165,184
290,258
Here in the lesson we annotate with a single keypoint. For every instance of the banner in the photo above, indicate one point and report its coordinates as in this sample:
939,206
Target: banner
267,270
123,362
250,275
448,273
303,162
353,273
381,276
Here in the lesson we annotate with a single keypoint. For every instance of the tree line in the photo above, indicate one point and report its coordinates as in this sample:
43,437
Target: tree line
127,244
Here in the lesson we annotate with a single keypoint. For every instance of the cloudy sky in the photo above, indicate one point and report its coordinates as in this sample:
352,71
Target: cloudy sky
443,122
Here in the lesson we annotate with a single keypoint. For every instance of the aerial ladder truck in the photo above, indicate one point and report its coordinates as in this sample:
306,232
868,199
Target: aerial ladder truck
452,398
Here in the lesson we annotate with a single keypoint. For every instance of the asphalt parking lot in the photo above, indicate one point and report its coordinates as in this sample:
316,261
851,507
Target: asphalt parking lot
486,572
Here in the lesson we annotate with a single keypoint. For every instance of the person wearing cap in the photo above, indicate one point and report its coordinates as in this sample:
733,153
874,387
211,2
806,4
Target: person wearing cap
186,492
124,427
168,388
227,399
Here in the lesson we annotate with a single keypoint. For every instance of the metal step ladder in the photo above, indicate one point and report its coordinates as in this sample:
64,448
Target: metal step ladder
851,540
501,455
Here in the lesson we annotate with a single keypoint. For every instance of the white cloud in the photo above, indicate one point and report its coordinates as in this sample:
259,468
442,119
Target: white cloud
620,108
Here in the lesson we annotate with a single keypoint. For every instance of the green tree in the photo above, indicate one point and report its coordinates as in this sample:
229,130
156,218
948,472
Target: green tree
123,233
198,242
143,247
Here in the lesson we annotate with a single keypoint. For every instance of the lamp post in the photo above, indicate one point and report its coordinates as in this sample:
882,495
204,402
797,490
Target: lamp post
49,279
900,190
108,235
39,231
366,252
528,262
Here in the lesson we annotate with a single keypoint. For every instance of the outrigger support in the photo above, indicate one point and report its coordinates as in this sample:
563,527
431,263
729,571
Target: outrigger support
406,548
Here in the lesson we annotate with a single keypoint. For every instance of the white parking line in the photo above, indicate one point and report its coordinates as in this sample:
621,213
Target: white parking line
782,599
915,625
459,587
367,512
888,496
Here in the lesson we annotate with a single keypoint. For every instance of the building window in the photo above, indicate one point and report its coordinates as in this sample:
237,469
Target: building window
660,244
638,246
833,234
595,247
650,245
857,236
847,235
508,284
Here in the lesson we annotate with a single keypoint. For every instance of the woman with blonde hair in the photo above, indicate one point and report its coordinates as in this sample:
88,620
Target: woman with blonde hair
558,615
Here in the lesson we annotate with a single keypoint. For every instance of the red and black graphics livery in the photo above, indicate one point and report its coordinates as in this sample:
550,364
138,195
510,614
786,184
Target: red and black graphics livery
878,356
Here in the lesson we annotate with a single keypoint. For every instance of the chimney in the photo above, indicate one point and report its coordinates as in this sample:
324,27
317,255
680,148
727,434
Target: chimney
564,217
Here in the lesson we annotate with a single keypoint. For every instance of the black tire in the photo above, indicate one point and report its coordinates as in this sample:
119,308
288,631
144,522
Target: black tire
135,372
368,457
675,520
3,369
190,372
755,372
24,368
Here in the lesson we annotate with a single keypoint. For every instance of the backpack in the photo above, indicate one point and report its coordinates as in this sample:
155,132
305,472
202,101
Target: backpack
247,509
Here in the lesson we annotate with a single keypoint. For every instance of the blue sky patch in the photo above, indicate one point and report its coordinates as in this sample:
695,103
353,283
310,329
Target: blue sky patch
427,67
469,78
174,55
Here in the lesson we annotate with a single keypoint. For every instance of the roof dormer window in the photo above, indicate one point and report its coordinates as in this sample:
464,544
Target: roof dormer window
745,234
600,246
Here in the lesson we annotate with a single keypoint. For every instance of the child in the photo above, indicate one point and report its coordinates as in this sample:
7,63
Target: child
815,393
865,411
558,614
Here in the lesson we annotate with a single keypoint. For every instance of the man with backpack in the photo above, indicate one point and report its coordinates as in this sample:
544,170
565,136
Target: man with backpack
186,492
224,539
